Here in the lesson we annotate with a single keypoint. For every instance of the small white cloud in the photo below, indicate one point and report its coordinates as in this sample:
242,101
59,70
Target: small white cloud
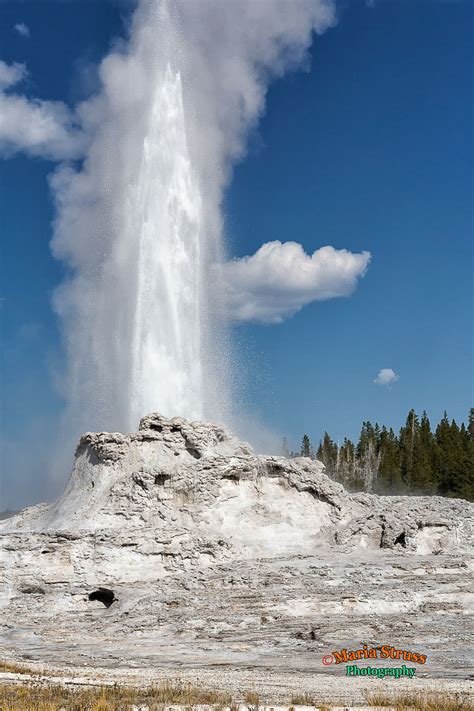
386,376
22,29
280,278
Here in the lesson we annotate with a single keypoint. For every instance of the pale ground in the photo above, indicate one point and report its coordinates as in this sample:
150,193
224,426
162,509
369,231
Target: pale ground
272,687
235,571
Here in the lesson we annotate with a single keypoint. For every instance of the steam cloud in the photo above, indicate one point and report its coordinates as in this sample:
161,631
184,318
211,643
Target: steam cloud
219,58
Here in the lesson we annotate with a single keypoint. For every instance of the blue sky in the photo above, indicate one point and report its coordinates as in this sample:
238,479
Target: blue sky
369,150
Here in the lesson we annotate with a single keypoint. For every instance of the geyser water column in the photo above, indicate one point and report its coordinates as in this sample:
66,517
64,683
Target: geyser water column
139,217
131,223
165,222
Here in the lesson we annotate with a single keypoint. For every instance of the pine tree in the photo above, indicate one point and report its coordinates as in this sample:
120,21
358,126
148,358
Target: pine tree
467,471
367,457
377,433
423,479
408,435
328,454
454,460
471,423
346,464
306,446
389,479
319,453
443,454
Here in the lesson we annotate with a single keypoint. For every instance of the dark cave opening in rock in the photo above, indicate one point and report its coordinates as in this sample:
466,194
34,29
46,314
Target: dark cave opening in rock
103,595
192,451
401,540
232,476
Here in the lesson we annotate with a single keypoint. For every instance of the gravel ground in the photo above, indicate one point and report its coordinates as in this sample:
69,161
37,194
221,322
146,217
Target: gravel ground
272,687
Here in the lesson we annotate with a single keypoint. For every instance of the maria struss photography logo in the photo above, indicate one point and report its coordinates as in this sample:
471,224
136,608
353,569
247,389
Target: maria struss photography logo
386,652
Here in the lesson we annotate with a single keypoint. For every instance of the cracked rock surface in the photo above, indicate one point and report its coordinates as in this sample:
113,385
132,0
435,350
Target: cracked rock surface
220,558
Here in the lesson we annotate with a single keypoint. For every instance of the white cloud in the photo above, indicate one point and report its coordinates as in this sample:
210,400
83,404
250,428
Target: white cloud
39,128
11,74
386,376
280,278
22,29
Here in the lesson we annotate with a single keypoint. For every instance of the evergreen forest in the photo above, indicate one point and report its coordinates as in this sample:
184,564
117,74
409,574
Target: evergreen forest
418,460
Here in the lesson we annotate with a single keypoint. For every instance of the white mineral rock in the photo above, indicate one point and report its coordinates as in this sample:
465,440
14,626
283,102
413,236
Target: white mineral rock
216,555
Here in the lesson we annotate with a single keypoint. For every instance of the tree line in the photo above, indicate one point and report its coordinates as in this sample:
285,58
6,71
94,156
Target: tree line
416,461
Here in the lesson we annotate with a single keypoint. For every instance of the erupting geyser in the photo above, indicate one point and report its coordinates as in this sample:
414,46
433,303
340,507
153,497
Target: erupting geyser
138,190
165,228
139,220
135,311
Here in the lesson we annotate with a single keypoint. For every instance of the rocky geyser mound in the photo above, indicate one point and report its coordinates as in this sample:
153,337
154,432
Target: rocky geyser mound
211,554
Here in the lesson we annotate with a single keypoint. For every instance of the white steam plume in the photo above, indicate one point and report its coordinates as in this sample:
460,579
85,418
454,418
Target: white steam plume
138,221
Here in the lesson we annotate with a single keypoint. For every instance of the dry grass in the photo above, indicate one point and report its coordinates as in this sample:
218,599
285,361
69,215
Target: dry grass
55,697
21,668
16,668
308,700
421,702
252,698
39,696
303,700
